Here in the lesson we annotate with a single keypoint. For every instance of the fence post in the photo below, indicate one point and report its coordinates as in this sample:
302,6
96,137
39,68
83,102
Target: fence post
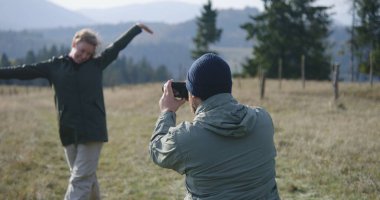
238,75
371,68
262,84
303,70
259,74
279,72
336,81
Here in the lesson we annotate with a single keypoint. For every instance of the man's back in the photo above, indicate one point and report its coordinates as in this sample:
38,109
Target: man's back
227,152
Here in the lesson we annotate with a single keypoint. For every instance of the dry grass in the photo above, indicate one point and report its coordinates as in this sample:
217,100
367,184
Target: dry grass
326,149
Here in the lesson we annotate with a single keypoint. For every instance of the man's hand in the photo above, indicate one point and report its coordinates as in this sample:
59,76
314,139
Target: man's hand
168,103
145,28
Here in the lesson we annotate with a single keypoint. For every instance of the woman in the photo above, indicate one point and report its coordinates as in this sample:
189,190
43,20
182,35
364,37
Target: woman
77,82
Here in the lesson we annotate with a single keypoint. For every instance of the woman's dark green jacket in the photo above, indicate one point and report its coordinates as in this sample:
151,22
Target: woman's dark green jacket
78,90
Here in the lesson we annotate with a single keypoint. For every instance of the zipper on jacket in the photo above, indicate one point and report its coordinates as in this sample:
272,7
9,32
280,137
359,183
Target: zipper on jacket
81,114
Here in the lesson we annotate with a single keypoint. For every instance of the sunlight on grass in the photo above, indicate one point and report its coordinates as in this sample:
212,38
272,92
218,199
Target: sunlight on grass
326,149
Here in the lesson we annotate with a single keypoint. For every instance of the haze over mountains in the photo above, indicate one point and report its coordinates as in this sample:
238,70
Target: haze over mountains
40,14
33,24
168,12
35,14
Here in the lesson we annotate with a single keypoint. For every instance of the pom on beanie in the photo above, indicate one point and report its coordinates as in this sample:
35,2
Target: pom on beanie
209,75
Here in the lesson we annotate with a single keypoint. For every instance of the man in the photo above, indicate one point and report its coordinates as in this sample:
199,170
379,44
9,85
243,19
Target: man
227,152
77,82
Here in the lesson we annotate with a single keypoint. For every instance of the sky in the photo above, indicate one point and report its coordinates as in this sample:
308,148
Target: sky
79,4
341,7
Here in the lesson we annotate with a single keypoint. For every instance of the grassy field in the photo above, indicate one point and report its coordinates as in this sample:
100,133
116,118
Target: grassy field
326,149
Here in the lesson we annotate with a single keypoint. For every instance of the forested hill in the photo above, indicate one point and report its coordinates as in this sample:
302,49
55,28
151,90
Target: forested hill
169,46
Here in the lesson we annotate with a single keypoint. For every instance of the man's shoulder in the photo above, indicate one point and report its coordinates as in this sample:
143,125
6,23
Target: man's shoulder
183,127
257,109
186,129
192,130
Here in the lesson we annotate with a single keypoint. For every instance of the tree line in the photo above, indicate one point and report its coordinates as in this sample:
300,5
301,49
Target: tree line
289,35
292,34
365,35
123,70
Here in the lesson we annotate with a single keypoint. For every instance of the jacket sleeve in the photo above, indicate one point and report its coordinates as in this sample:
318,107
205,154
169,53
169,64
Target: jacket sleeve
164,148
26,72
112,51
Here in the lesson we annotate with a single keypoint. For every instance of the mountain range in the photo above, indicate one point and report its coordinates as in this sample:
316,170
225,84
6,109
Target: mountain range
171,12
170,45
37,14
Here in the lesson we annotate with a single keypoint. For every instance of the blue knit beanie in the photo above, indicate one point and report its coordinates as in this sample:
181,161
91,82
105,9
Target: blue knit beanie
209,75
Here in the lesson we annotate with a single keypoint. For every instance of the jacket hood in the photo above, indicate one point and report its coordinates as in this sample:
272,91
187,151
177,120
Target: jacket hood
223,115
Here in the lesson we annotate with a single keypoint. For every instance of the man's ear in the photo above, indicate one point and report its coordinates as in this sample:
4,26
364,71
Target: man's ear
192,96
196,99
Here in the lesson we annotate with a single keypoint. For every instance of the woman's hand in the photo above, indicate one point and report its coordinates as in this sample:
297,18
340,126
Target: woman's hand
145,28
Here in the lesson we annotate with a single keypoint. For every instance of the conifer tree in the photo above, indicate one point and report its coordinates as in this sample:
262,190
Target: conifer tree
289,30
367,34
207,32
4,61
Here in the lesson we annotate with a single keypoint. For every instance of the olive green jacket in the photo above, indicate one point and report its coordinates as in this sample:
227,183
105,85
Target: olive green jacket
78,90
227,152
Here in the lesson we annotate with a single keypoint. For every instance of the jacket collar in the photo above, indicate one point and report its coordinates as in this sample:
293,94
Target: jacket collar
214,101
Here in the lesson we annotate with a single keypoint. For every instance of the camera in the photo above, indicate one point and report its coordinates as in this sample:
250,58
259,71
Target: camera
179,90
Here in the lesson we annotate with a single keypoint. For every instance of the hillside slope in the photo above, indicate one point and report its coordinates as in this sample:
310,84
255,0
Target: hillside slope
37,14
163,11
